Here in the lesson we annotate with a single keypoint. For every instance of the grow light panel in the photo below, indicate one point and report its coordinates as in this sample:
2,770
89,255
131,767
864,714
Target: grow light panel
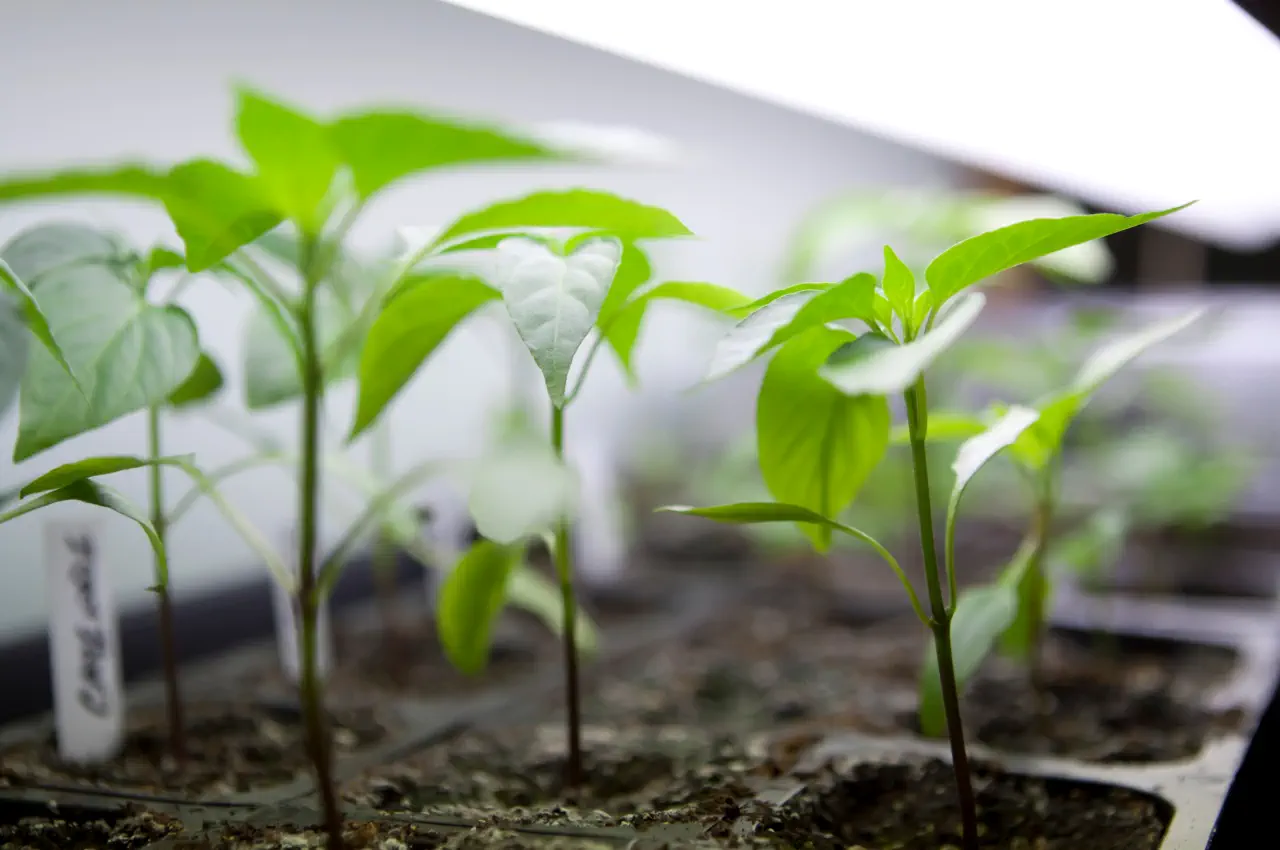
1129,104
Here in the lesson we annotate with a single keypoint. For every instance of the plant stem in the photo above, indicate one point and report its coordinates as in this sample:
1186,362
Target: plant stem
164,603
311,690
918,423
564,569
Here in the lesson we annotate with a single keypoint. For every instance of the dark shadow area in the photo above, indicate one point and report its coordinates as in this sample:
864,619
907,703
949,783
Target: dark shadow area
1248,814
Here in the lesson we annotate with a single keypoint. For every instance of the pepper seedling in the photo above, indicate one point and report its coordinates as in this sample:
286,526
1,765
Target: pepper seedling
822,419
557,292
1013,608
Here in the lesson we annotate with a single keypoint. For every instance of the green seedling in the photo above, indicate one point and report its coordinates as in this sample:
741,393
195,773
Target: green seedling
822,417
1013,608
557,292
317,175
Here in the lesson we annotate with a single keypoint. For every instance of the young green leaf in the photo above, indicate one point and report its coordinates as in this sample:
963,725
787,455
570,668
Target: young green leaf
38,250
294,154
92,467
411,326
621,218
470,600
161,258
987,254
35,320
383,147
271,371
1111,358
816,445
128,354
13,351
216,210
748,339
899,286
531,590
634,271
93,493
130,180
872,367
622,330
982,614
554,301
766,300
202,384
852,298
519,489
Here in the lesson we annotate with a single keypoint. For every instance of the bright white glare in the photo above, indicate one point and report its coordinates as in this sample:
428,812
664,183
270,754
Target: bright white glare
1130,104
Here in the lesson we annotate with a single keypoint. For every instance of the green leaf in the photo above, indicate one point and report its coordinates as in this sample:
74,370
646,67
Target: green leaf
871,367
296,158
271,371
35,321
203,383
899,286
162,258
531,590
623,330
766,300
982,614
852,298
519,489
382,147
129,355
471,597
38,250
751,513
92,467
750,338
92,493
13,351
554,301
1093,548
816,445
987,254
634,271
130,180
624,219
1111,358
216,210
411,326
944,427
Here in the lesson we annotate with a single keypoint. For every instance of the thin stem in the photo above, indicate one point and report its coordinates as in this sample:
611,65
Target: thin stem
564,569
164,603
311,690
918,423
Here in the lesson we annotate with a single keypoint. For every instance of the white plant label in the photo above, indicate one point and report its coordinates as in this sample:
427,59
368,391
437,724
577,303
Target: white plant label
288,615
84,646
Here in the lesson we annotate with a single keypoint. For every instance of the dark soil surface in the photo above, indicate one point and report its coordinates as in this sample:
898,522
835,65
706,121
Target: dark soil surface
801,654
638,777
57,833
913,807
231,749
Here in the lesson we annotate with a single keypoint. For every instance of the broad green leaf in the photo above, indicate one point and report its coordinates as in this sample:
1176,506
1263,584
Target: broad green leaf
128,355
271,371
987,254
816,445
13,351
471,597
411,326
982,614
382,147
296,158
554,301
870,367
531,590
748,339
624,219
35,320
852,298
38,250
944,427
216,210
204,382
93,493
91,467
899,286
623,330
519,489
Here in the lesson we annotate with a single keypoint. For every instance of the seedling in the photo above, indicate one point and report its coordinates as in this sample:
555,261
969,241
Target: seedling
557,292
822,419
1013,607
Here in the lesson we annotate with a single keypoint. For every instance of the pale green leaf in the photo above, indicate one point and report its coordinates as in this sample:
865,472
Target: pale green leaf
634,271
750,337
35,320
852,298
816,445
765,300
128,354
871,368
200,386
982,614
531,590
899,286
588,209
1111,358
622,330
554,301
471,597
271,370
519,489
91,467
987,254
945,426
38,250
216,210
411,325
13,351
